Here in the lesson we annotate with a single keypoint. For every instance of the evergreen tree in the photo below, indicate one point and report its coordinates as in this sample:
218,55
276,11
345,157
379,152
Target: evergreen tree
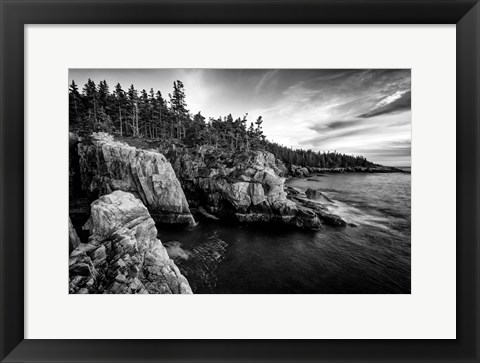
103,93
163,116
120,102
179,109
144,114
91,98
104,122
133,110
195,133
75,109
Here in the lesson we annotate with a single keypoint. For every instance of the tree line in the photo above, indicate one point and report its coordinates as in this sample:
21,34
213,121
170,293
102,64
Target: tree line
149,115
316,159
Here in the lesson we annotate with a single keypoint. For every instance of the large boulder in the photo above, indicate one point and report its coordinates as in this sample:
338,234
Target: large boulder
123,254
107,165
319,209
299,171
244,186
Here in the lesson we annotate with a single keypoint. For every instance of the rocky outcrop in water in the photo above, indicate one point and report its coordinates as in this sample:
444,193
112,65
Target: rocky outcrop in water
123,254
106,165
200,263
302,198
245,187
317,195
299,171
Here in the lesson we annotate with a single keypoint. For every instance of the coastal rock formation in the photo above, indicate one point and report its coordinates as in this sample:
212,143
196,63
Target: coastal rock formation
123,254
299,171
316,207
246,187
317,195
107,165
73,239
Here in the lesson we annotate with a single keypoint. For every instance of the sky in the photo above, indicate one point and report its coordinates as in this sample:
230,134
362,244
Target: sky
353,111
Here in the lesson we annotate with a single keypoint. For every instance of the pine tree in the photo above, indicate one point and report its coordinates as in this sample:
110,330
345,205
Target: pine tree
103,93
144,114
120,100
195,133
133,110
104,123
180,112
75,109
91,96
162,115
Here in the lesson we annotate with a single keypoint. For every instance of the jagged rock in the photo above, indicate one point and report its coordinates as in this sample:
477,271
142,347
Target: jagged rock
107,165
73,239
299,171
317,195
207,215
321,211
200,263
246,187
331,219
281,167
123,254
291,191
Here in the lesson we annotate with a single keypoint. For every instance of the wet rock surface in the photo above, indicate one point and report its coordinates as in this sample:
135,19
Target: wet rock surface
106,165
318,206
199,265
317,195
123,254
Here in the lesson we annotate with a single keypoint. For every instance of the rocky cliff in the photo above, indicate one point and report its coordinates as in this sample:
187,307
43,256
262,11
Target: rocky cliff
73,240
246,187
123,254
106,165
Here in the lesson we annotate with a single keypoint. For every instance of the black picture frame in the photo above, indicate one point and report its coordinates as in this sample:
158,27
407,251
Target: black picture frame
15,14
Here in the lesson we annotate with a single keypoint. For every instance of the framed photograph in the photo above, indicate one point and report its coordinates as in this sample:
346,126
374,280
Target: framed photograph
305,171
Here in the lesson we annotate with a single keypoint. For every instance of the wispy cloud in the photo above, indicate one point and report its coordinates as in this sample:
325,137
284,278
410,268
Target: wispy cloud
265,80
337,135
335,125
397,102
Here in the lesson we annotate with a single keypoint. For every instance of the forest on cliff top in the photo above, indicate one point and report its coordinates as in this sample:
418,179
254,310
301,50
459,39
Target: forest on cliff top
151,116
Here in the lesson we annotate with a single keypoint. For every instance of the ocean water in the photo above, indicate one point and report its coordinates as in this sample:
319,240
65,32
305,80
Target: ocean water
372,256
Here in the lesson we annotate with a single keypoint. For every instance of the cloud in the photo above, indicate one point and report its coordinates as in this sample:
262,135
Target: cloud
338,135
335,125
265,80
404,151
397,102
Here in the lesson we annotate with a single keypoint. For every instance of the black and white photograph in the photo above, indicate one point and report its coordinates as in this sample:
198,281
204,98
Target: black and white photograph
239,181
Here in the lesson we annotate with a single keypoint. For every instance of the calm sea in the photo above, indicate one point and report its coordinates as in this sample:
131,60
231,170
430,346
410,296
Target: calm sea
372,257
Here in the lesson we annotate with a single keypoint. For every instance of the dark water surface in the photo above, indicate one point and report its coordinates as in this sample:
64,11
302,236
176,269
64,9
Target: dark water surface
373,257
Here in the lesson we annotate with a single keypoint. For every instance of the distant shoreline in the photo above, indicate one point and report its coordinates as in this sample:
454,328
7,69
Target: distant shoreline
305,172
